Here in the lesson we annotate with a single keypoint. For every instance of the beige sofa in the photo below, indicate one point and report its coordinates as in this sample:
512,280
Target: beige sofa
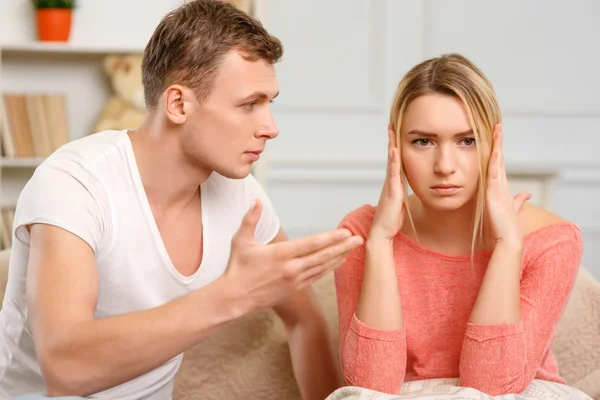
249,358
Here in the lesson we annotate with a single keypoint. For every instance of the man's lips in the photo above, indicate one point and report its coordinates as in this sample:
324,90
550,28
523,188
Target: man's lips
254,155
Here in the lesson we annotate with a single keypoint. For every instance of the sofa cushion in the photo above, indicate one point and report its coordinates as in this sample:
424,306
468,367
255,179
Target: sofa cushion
577,343
248,358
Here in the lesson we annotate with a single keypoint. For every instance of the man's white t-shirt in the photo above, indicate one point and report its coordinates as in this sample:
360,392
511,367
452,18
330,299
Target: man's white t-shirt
92,188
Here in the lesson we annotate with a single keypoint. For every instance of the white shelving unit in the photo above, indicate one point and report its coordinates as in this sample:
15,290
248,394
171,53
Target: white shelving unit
56,48
75,70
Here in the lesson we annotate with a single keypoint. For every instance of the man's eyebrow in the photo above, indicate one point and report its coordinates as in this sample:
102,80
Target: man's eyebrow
258,95
430,134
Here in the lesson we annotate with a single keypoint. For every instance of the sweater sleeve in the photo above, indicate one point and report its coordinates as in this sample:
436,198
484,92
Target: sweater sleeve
500,359
370,358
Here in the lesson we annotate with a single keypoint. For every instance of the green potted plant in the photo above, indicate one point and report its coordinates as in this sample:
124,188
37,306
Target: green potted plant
54,19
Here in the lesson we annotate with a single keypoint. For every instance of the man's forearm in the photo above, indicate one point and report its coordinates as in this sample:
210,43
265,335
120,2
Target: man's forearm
99,354
313,360
498,300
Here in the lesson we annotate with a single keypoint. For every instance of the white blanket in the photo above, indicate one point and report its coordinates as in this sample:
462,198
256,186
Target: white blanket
446,389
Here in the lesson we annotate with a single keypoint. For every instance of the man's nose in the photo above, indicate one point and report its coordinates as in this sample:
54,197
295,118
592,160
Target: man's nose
269,128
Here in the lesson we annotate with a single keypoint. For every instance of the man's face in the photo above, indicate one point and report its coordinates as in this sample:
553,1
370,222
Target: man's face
230,129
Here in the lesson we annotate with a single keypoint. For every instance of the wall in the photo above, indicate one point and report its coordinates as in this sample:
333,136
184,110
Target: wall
344,58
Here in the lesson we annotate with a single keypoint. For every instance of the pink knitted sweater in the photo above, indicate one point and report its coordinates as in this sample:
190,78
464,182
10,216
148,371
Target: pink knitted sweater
438,292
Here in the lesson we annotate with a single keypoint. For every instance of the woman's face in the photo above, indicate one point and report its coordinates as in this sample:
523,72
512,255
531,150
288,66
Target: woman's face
439,152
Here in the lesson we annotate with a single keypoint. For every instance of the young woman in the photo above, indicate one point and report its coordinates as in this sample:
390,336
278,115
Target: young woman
459,279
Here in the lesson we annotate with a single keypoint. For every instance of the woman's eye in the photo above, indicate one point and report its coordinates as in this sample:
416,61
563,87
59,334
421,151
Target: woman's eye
469,141
421,142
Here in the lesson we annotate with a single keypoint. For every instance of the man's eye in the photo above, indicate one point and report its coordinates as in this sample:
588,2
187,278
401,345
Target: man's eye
250,105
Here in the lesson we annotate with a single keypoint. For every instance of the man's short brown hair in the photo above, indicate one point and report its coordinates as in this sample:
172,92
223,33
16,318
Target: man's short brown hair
190,42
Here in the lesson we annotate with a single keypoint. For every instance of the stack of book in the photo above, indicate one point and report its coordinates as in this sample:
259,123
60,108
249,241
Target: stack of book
32,125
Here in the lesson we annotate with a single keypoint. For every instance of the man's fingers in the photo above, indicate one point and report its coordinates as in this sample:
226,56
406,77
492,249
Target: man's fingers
245,233
312,275
310,244
329,253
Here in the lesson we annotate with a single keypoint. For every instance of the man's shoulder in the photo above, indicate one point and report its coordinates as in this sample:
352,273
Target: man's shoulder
80,167
88,155
90,147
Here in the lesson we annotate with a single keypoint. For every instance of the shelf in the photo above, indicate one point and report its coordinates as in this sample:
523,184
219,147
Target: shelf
64,48
20,162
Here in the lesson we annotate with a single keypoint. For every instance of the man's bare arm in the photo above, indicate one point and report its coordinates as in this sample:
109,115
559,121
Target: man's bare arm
80,355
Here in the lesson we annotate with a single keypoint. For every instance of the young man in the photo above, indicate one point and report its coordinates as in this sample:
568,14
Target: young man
132,246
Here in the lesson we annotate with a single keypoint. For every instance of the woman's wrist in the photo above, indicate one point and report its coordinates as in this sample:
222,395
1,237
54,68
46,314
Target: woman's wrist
378,243
375,236
513,244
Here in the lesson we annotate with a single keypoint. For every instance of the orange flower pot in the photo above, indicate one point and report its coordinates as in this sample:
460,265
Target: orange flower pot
54,24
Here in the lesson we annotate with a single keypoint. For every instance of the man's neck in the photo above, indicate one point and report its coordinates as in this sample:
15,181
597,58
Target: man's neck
169,181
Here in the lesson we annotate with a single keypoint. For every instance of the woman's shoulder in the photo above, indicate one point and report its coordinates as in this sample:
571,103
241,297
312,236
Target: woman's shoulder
536,220
359,220
543,229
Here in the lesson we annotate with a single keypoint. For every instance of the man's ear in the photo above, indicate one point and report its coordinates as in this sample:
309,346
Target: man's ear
110,63
174,103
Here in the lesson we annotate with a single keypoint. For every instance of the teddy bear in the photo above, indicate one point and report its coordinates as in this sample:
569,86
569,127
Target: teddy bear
126,107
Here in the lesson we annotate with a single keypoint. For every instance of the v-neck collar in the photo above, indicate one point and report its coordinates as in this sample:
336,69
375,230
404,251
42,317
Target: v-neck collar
154,231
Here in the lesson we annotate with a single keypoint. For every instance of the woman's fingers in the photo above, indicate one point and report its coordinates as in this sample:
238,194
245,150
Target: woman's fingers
392,136
520,199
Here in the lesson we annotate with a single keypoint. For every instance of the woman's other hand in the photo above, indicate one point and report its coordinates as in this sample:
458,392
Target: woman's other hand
502,208
390,212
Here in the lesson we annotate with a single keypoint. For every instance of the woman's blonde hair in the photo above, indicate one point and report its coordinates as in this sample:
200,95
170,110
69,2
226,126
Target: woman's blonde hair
453,75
